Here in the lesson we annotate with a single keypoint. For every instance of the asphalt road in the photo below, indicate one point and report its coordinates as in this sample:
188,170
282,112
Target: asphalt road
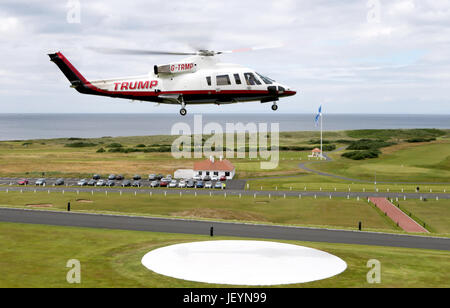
220,228
228,192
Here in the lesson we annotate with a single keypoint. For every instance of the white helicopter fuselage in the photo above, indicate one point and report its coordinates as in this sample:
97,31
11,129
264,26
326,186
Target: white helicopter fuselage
194,80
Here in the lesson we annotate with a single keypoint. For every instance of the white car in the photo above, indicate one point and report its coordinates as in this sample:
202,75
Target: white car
173,184
197,177
82,182
182,184
214,178
208,185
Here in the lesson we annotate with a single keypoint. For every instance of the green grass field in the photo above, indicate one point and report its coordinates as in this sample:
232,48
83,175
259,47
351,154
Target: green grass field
36,256
403,163
409,162
307,211
436,214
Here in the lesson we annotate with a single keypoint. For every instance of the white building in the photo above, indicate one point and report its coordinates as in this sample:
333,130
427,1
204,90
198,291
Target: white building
220,167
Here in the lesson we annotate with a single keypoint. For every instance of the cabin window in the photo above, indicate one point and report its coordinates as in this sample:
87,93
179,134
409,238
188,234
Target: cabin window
216,173
266,80
223,80
208,80
251,79
227,173
237,78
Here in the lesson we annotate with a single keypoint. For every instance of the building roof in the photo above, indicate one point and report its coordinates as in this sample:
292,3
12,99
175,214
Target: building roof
217,165
316,150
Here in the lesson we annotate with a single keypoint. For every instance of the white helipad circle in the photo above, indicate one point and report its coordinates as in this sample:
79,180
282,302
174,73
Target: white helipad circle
255,263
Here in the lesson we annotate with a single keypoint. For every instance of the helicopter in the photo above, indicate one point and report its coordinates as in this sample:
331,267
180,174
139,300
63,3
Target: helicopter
198,79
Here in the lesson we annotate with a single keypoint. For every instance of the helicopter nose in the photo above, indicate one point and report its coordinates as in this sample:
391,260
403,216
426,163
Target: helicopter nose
290,92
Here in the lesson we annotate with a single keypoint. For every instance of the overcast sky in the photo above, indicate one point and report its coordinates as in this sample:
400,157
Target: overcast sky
351,56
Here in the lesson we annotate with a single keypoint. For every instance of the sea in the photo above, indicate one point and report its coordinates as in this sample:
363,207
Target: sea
47,126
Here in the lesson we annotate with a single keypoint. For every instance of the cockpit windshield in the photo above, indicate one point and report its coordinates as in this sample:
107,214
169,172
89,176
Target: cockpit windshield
266,80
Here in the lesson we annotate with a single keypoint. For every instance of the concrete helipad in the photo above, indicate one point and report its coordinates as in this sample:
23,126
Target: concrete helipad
243,262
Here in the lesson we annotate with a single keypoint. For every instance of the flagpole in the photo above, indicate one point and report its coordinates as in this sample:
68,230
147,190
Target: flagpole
321,153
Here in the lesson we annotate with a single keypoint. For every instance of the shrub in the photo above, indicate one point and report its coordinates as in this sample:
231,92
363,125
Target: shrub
414,140
101,150
80,144
368,144
114,145
140,145
360,155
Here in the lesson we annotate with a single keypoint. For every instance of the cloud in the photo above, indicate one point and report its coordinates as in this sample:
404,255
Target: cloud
330,51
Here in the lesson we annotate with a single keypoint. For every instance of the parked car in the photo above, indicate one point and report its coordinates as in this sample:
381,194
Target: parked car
59,182
197,177
218,185
152,177
23,182
136,177
96,177
92,182
101,183
126,183
208,184
137,184
82,182
182,184
164,182
119,177
159,177
206,178
40,182
199,184
154,183
190,184
223,178
173,184
214,178
169,177
110,183
112,177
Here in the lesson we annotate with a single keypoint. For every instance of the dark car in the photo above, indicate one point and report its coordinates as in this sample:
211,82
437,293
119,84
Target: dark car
223,178
159,177
59,182
207,178
96,177
110,183
119,177
112,177
92,183
190,184
199,184
23,182
126,183
137,184
136,177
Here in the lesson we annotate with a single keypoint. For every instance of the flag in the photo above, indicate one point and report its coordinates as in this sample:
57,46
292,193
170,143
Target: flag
316,120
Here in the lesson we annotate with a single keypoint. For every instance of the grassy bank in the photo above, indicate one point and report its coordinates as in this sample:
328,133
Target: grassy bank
322,212
36,256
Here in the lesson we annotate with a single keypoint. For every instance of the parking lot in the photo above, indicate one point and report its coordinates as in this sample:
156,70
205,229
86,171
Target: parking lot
74,182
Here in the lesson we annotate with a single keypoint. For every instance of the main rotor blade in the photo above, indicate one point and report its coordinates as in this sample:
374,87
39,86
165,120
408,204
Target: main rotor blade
250,49
123,51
